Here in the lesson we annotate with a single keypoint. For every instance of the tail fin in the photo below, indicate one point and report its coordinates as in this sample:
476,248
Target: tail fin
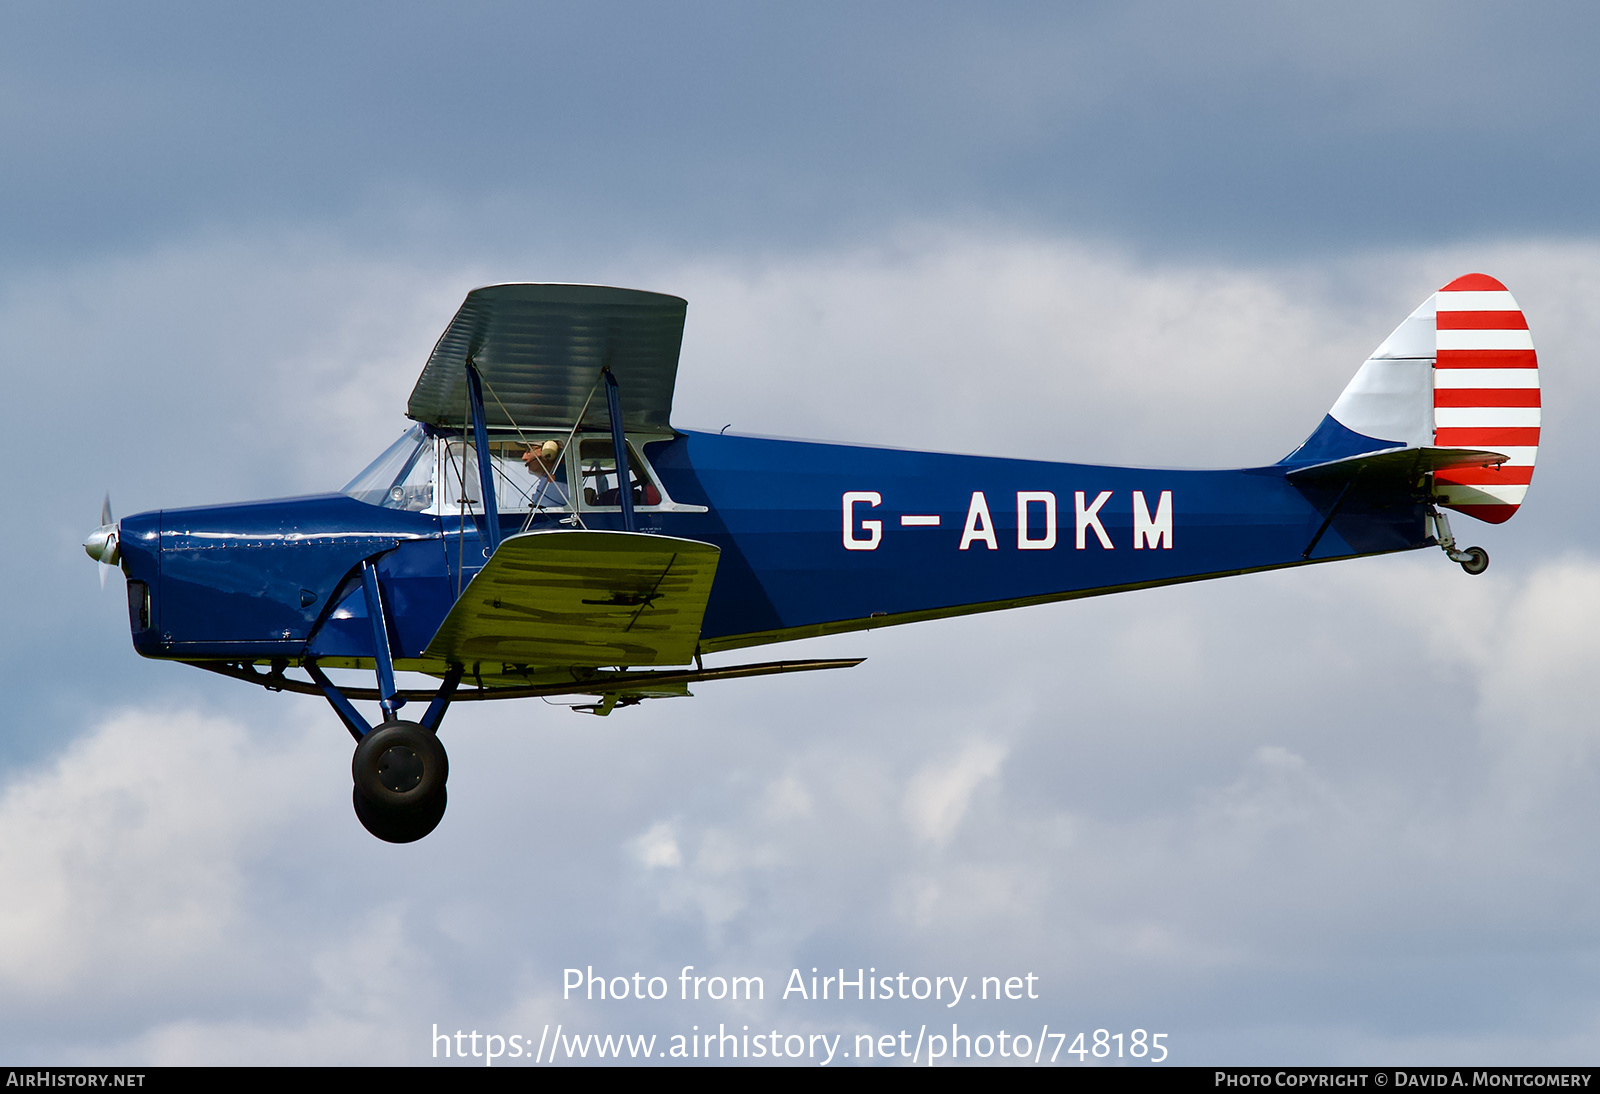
1461,373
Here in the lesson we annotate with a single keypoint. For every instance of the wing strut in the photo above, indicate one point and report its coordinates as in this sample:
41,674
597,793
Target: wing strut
619,449
480,438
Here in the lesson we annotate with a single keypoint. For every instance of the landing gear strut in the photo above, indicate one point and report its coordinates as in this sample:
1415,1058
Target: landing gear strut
1474,560
399,767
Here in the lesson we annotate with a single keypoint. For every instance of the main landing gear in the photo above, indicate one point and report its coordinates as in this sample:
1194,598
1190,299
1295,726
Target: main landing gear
399,767
1474,560
400,770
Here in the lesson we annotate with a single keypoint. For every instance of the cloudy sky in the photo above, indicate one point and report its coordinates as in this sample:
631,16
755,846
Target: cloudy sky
1346,814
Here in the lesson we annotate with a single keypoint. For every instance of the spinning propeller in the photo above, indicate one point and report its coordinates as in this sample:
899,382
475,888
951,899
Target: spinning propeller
102,544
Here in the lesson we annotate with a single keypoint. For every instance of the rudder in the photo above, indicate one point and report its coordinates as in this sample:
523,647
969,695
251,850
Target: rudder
1485,395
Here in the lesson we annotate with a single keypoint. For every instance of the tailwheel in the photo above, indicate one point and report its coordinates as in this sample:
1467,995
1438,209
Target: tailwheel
400,770
1474,560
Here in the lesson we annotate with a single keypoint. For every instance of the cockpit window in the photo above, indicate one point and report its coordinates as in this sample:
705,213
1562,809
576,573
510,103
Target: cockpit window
401,478
597,459
428,471
520,483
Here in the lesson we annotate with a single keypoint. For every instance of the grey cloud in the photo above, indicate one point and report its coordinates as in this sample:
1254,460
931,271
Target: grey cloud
1235,128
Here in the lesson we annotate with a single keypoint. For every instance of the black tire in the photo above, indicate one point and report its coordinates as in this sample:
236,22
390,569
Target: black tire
400,826
400,766
1477,560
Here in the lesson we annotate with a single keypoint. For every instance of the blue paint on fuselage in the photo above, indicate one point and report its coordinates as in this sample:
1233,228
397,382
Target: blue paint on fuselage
778,515
252,580
275,578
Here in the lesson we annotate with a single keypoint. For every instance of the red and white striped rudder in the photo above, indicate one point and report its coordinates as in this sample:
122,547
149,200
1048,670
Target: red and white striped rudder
1485,395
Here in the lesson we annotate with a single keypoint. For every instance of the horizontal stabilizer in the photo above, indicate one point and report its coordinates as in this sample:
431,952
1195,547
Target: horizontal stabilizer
586,598
1407,464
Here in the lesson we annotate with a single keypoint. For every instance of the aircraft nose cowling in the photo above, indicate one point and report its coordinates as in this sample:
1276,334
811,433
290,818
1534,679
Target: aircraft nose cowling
103,545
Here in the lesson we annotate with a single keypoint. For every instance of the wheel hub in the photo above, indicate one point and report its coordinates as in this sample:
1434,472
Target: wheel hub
400,768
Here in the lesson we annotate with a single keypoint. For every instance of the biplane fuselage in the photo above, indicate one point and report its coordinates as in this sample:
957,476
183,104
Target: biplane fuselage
544,530
814,539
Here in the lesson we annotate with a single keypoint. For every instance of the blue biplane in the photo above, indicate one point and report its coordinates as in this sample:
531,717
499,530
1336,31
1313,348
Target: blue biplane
543,529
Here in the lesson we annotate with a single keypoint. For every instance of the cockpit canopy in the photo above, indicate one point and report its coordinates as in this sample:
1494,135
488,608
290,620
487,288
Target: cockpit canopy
433,471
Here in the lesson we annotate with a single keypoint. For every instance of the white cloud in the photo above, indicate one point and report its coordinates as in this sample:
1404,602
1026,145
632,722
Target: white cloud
1050,350
658,847
937,798
129,856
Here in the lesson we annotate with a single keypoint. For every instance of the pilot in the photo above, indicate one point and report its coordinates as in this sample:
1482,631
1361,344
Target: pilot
543,462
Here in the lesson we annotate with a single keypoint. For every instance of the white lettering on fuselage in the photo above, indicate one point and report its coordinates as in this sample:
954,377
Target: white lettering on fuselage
1036,521
980,525
1090,518
873,528
1048,540
1151,531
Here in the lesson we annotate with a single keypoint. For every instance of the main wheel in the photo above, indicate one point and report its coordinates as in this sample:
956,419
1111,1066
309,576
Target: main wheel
1477,560
400,766
403,825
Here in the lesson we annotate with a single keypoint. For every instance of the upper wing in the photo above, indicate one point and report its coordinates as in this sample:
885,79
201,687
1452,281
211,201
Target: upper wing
575,597
540,348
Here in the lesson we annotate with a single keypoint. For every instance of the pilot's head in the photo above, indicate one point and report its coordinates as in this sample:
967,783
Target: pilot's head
542,459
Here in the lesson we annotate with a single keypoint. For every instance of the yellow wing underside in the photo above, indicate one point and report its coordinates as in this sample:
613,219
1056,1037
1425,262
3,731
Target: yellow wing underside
582,598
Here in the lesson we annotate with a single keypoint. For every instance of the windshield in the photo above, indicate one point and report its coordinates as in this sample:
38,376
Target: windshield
401,478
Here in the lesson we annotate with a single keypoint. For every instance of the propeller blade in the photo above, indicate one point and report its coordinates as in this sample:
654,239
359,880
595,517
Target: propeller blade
101,544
